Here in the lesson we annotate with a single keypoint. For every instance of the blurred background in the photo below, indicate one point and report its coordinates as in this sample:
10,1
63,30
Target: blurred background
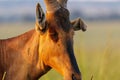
97,50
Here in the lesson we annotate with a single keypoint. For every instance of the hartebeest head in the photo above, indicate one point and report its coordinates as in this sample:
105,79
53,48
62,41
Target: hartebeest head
56,39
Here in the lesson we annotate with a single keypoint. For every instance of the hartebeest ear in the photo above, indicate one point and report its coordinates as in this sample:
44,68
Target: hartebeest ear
78,24
40,18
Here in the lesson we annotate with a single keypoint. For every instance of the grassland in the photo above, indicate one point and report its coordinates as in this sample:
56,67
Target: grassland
97,50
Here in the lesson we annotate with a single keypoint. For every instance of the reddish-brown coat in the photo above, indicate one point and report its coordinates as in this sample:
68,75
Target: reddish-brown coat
34,53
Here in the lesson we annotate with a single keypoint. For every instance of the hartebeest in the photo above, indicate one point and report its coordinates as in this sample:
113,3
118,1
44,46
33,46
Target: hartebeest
49,45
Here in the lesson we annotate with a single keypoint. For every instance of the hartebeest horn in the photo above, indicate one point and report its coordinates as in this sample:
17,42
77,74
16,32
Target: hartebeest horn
51,5
63,3
40,18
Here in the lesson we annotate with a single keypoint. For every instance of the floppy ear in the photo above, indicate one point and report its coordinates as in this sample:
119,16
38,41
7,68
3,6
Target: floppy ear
78,24
40,19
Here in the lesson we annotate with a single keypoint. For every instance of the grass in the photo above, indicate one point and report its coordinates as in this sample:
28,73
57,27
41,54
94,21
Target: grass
97,50
4,76
100,51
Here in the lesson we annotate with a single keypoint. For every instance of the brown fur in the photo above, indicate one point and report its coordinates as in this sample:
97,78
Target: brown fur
34,53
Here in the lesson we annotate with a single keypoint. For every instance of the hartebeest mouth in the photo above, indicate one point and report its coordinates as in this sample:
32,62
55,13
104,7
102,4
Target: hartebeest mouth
49,45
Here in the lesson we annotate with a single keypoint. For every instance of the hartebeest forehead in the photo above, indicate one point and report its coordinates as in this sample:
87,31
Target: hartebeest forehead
59,18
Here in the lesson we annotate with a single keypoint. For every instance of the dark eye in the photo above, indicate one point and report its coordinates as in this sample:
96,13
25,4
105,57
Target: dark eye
54,36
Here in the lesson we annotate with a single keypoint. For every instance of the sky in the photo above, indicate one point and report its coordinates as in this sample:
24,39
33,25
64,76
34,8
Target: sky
84,8
97,0
76,0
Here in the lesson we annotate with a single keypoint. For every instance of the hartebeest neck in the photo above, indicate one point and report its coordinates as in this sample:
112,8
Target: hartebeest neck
27,46
37,67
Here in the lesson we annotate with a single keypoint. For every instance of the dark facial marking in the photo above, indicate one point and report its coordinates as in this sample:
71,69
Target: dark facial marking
71,54
62,19
73,77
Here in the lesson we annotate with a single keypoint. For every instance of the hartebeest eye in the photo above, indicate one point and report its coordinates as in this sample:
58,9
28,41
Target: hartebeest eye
53,34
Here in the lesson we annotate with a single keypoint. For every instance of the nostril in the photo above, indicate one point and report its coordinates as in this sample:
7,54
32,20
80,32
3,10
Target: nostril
73,77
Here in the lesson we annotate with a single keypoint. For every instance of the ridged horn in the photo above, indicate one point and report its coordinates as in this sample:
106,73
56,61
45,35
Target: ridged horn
51,5
63,3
